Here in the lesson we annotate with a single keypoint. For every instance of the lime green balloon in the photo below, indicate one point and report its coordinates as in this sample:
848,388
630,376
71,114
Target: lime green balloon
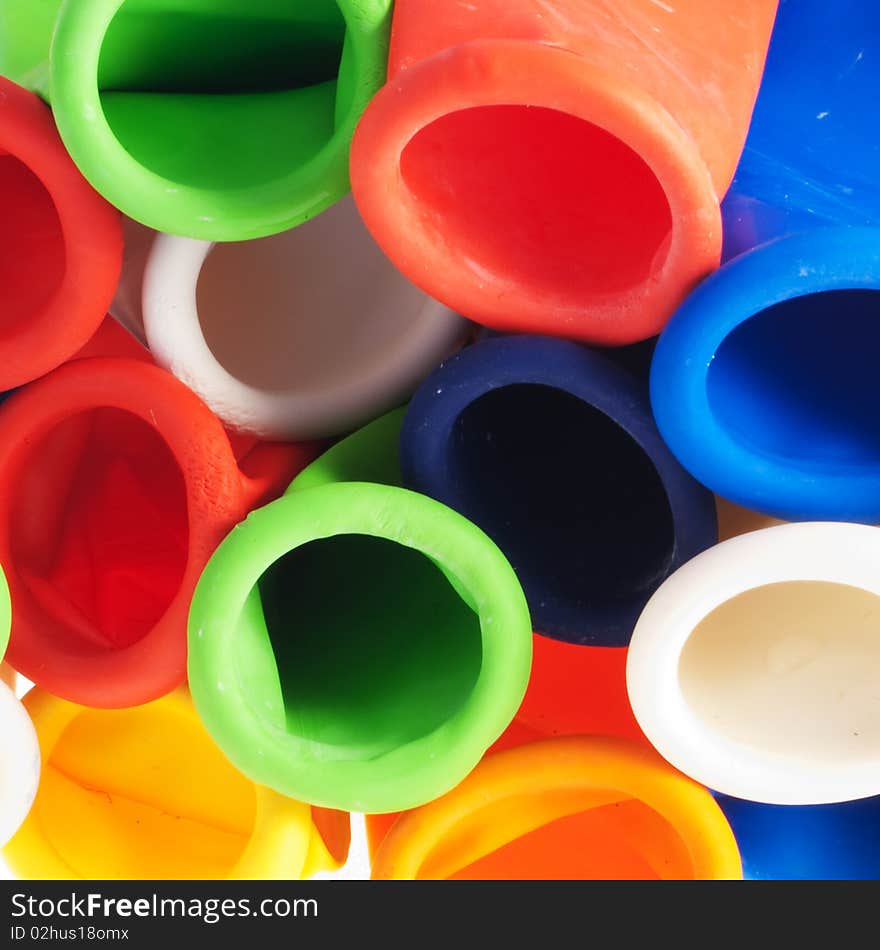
5,614
214,119
372,454
354,644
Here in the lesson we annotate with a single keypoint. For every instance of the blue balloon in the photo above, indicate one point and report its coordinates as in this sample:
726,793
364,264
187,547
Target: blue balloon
780,412
812,154
764,381
806,842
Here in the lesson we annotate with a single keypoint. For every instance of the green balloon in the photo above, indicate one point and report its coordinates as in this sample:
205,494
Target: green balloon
5,615
356,645
215,119
372,454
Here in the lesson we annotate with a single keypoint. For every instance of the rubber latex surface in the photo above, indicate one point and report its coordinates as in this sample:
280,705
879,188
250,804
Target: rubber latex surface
556,167
553,451
306,334
754,667
383,638
60,244
808,842
571,690
143,90
5,614
810,157
19,752
116,485
577,690
583,808
19,763
763,380
371,454
515,734
763,384
145,794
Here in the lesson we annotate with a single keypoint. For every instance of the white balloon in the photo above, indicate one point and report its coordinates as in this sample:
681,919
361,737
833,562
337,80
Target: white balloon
306,334
19,763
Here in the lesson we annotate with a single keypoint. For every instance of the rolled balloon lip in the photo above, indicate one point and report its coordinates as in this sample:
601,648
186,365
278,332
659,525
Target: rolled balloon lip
187,289
238,691
370,455
572,691
434,460
78,268
276,199
495,72
760,747
803,191
89,805
19,763
840,841
53,641
518,791
713,424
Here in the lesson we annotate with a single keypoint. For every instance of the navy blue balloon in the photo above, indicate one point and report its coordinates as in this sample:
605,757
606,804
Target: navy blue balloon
551,449
806,842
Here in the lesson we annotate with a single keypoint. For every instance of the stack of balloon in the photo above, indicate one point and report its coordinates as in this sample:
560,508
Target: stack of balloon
523,499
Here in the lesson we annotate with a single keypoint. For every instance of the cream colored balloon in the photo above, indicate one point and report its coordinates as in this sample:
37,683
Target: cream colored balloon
755,668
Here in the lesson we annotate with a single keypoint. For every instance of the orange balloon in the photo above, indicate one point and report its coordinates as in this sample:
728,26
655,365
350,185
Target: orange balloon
557,167
565,808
